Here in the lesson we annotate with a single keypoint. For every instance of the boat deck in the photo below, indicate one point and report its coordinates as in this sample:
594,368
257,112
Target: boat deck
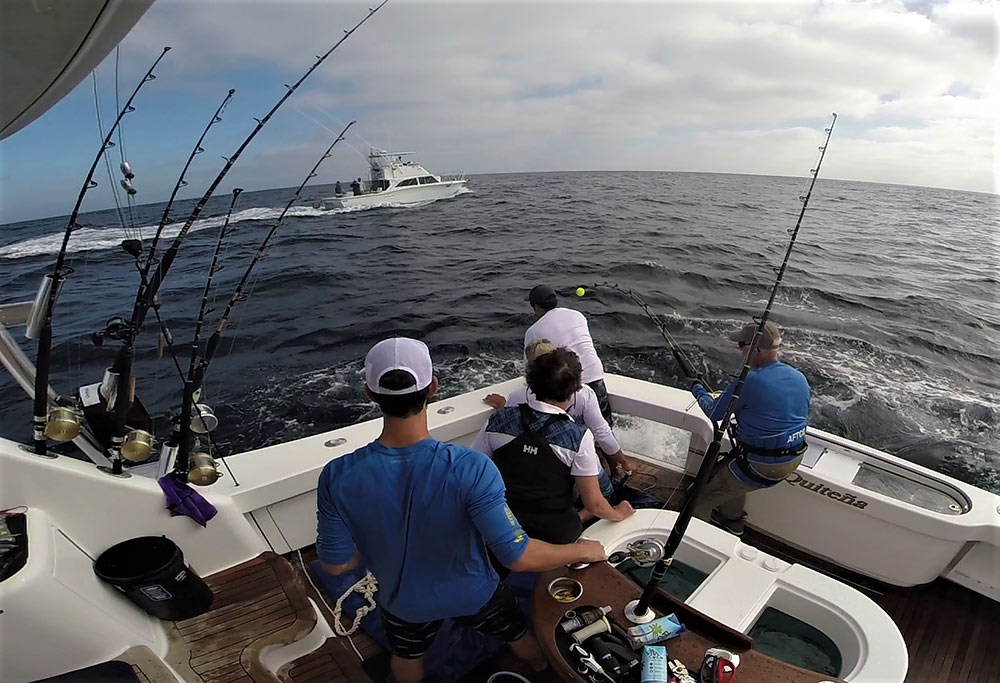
948,629
265,602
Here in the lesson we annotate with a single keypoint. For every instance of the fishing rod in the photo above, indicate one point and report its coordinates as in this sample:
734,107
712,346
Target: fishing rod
120,373
40,322
639,610
153,286
181,182
687,367
206,418
197,370
149,286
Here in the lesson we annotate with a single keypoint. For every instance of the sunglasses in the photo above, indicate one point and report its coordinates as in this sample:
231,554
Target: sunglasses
743,345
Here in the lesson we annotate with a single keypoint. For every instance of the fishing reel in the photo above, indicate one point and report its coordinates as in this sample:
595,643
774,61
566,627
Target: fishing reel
62,423
138,445
116,329
203,419
203,470
98,404
644,552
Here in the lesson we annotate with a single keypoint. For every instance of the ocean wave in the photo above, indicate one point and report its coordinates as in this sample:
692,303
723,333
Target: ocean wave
110,237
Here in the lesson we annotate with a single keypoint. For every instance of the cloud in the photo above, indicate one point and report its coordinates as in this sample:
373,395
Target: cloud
555,86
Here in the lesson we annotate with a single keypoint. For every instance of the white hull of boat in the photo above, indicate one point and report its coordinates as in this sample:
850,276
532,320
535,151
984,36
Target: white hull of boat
397,196
76,512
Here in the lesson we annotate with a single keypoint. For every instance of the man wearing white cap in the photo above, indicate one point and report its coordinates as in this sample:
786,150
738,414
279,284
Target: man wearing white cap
771,414
421,514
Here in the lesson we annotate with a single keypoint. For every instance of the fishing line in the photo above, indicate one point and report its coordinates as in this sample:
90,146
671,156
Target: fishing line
40,325
687,367
107,162
198,368
339,123
126,170
149,287
640,608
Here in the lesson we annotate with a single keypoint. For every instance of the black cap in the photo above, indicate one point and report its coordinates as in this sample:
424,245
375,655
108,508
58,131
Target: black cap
541,295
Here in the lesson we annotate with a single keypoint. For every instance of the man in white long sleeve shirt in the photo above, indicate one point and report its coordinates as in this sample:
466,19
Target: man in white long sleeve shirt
568,329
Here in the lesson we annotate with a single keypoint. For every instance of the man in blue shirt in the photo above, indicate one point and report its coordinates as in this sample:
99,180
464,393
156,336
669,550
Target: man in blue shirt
421,514
771,416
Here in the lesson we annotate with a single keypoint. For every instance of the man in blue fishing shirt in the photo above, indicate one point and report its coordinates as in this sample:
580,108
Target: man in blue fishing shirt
422,515
771,414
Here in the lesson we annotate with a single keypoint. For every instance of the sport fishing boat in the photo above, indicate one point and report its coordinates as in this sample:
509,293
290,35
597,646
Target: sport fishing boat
860,567
396,183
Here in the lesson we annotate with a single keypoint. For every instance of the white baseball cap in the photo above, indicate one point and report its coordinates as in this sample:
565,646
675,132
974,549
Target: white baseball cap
399,353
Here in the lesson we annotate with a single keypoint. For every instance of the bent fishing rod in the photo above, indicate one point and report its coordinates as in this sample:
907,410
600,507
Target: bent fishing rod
40,323
122,367
181,182
149,286
687,367
153,286
640,609
198,368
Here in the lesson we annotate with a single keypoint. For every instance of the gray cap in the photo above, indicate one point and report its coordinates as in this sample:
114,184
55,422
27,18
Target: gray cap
770,336
541,295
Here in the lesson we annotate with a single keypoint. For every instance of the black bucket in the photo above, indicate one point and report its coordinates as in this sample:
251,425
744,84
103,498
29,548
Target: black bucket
151,572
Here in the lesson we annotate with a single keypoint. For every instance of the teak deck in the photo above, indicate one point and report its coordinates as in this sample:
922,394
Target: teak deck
951,633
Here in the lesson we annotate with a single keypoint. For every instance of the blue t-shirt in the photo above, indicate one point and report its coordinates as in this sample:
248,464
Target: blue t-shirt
421,517
772,408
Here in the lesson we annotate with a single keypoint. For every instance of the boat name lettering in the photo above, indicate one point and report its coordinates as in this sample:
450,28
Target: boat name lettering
816,487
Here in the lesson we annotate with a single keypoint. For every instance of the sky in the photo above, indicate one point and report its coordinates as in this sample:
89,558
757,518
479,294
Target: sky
501,87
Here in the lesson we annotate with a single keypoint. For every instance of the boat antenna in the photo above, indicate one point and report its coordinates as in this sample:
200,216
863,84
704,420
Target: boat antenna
639,610
40,323
197,369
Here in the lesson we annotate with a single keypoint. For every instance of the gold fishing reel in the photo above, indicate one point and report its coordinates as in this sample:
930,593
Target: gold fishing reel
203,470
137,446
62,423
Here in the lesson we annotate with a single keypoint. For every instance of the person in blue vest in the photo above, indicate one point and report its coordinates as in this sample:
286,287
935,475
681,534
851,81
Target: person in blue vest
545,456
771,415
584,408
421,514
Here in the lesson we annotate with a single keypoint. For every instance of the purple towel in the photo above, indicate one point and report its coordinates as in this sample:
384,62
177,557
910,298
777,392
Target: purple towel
183,500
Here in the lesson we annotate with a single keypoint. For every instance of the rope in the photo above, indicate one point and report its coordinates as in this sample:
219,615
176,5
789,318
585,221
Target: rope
366,586
511,674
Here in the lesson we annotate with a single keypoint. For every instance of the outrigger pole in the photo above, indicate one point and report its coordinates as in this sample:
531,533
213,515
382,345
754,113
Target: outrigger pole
197,369
40,322
639,610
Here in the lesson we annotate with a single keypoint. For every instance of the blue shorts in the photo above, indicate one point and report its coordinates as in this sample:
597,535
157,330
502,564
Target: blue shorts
500,617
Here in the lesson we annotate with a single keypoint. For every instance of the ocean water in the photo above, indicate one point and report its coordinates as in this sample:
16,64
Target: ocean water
890,304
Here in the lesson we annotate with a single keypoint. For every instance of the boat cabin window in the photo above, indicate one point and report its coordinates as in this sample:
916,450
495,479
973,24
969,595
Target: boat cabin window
407,182
427,180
